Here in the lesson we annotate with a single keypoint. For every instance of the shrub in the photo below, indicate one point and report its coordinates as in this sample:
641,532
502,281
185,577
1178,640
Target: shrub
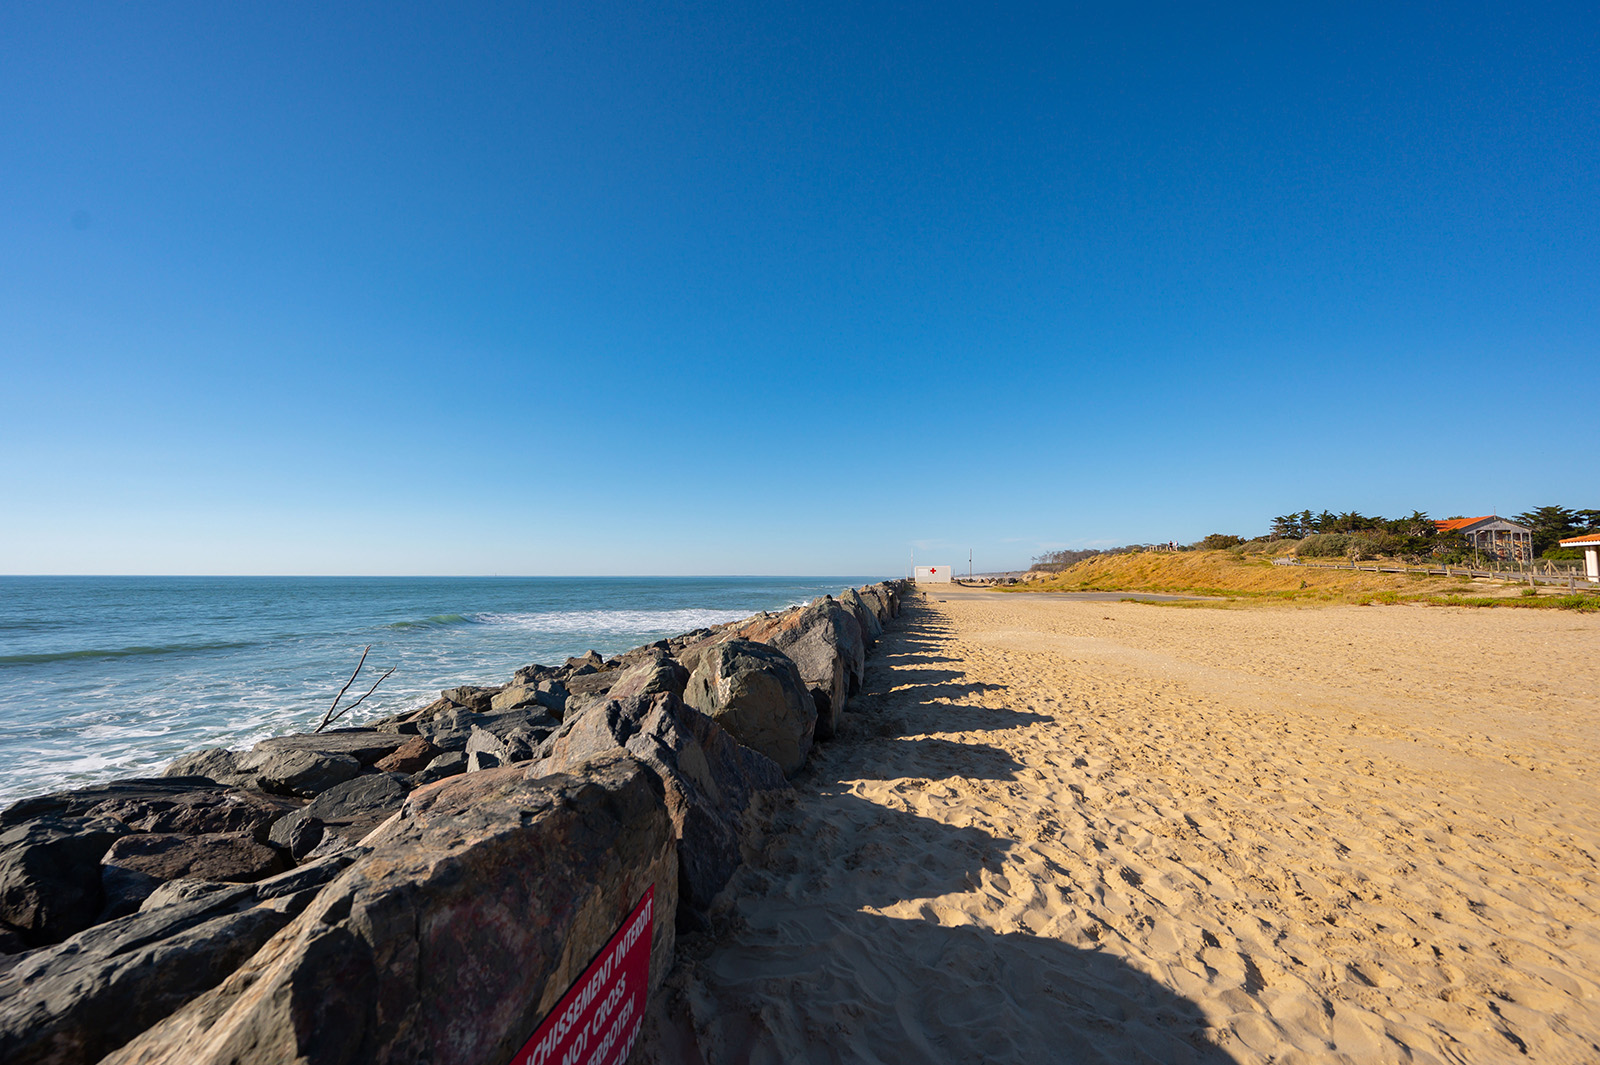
1324,545
1219,542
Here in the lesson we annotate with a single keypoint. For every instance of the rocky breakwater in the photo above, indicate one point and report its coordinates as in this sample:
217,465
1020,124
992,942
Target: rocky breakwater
425,887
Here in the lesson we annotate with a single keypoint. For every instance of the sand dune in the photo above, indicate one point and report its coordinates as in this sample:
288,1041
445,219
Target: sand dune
1087,831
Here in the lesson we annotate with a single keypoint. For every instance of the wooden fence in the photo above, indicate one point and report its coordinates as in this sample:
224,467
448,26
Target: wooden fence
1530,573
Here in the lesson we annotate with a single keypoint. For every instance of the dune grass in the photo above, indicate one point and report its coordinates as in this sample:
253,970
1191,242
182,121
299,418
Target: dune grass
1232,577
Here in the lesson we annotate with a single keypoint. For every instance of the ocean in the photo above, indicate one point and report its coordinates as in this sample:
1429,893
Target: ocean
108,677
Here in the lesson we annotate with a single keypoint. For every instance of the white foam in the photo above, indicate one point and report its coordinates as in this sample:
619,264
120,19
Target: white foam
619,621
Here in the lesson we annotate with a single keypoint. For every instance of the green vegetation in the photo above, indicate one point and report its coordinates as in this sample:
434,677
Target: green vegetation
1551,525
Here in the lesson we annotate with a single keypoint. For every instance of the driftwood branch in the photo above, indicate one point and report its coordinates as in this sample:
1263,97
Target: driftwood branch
328,717
370,690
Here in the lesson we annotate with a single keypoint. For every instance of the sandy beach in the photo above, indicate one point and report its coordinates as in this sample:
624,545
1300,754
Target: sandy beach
1080,830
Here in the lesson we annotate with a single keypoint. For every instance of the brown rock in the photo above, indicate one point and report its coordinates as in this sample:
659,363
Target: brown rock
449,941
224,856
409,757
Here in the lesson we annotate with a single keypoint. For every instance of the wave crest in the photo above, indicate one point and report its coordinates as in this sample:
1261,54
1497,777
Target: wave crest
116,652
435,622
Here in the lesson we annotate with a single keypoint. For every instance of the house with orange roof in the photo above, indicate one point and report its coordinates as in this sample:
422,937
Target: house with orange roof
1493,535
1590,542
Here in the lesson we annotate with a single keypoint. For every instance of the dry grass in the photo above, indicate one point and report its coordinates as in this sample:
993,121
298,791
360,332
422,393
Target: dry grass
1226,574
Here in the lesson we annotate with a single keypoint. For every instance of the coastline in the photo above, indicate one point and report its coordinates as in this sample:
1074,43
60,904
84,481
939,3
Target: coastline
461,860
1044,825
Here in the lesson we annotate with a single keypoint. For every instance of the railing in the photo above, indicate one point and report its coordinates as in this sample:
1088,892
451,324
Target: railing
1535,573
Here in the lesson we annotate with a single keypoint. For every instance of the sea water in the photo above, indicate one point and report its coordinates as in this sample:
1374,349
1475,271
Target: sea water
107,677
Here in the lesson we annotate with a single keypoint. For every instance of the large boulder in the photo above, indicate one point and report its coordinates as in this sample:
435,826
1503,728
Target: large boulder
472,915
755,692
650,674
73,1003
710,779
50,875
866,614
178,804
876,596
824,642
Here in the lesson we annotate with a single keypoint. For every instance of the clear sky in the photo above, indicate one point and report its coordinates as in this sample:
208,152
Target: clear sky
781,288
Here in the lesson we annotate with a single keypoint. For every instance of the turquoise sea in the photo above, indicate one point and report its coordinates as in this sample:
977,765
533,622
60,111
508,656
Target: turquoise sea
105,677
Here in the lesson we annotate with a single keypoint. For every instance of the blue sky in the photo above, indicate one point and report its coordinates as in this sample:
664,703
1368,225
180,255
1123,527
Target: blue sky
627,288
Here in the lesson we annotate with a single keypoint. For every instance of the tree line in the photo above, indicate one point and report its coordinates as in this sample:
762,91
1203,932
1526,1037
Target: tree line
1368,536
1418,534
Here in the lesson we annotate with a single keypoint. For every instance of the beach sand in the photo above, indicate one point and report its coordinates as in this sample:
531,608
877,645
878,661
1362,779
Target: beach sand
1061,830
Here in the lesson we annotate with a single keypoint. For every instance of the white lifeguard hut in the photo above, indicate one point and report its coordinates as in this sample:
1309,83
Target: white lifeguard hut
1591,554
934,575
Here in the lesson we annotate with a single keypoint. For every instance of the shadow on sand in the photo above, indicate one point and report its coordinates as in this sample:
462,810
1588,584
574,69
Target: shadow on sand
801,970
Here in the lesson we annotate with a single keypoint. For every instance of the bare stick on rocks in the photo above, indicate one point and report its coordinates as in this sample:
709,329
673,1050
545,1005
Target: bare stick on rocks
370,690
330,716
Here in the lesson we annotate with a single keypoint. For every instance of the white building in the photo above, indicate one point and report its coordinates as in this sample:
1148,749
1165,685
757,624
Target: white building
1591,554
934,575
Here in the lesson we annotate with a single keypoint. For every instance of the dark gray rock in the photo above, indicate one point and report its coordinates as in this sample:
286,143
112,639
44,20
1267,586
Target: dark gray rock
755,692
446,765
589,660
124,891
304,773
593,683
474,697
877,598
366,799
213,763
78,1001
824,642
182,804
451,730
365,745
535,673
865,614
298,833
710,779
449,941
50,875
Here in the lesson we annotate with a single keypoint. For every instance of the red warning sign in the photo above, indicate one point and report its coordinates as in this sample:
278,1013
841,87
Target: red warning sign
598,1019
